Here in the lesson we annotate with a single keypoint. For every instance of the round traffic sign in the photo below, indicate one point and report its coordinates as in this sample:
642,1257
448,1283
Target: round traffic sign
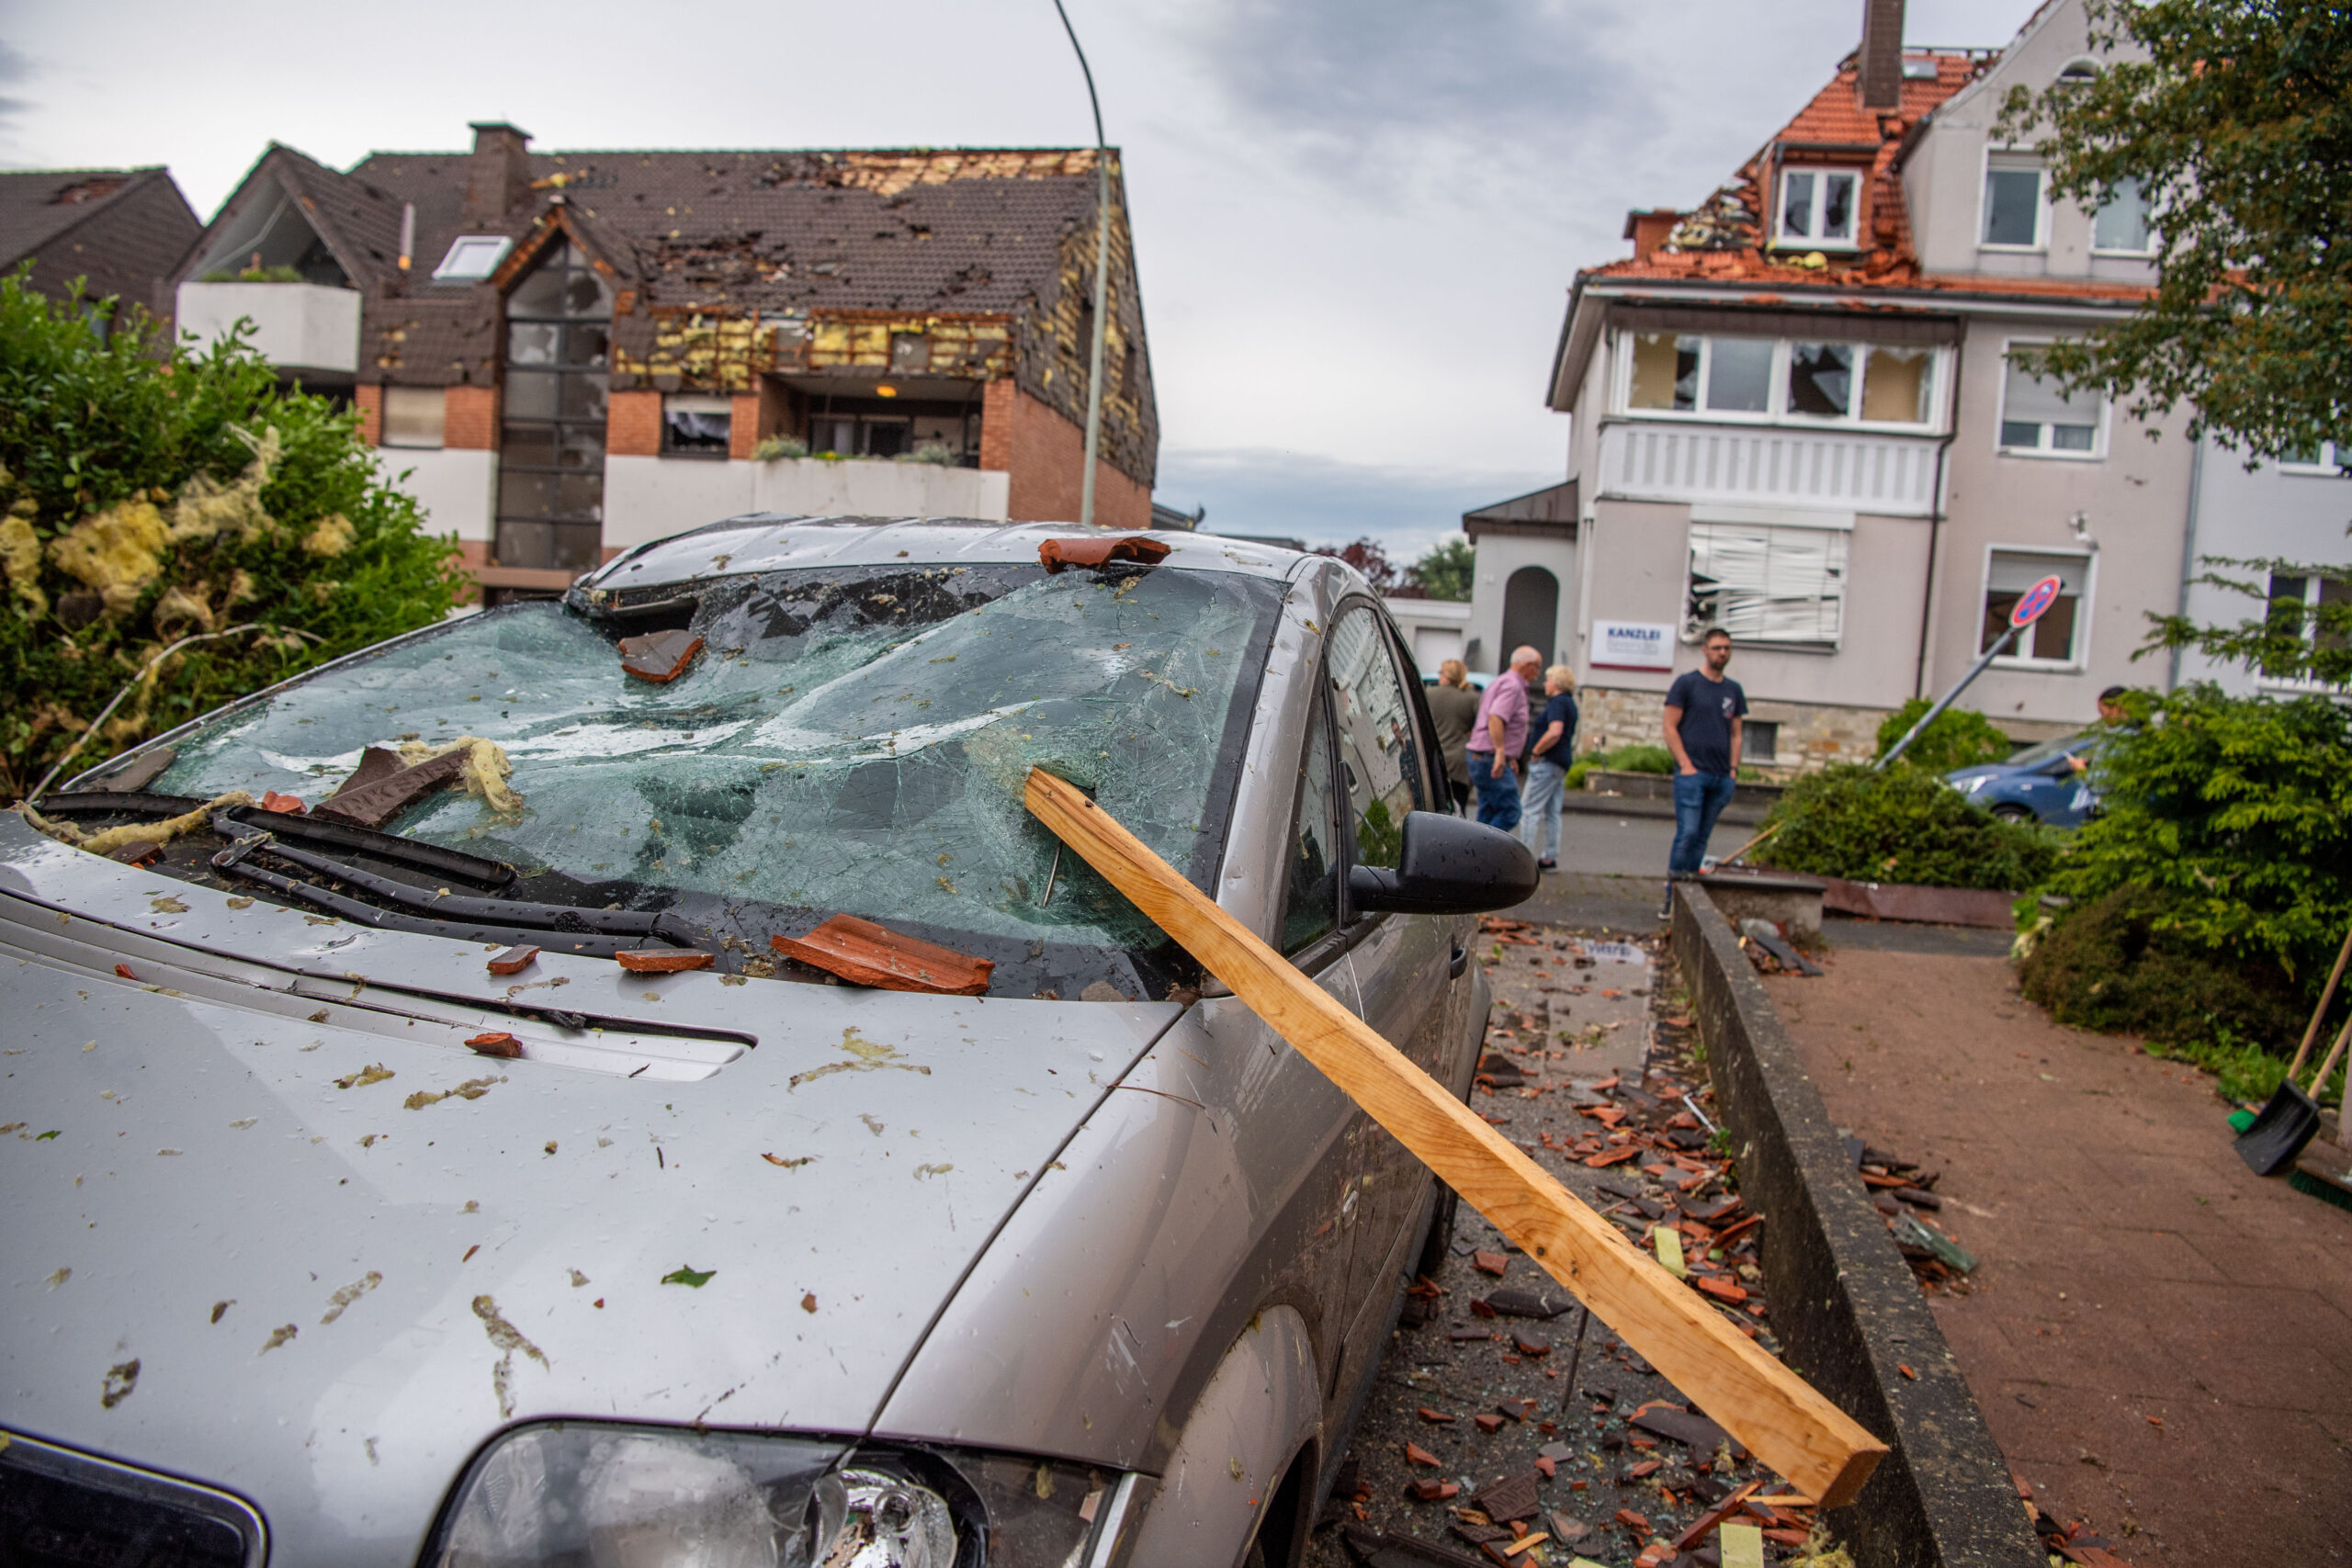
2037,599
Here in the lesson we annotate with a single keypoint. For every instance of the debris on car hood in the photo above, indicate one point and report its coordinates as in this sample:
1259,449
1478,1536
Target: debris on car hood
865,954
1141,548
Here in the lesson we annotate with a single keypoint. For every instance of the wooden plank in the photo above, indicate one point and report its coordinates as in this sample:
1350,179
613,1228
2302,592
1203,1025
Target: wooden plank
1821,1449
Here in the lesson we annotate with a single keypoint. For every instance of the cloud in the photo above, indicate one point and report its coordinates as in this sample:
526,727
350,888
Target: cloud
15,67
1325,501
1375,92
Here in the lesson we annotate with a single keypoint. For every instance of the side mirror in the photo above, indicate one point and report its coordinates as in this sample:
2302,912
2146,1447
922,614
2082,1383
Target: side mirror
1449,866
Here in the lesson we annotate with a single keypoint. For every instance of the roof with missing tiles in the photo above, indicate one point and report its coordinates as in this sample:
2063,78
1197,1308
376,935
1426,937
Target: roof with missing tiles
1724,239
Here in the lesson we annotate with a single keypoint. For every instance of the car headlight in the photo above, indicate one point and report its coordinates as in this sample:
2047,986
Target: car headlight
613,1496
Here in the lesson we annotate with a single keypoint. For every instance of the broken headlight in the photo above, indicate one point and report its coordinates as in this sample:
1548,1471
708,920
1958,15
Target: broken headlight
585,1494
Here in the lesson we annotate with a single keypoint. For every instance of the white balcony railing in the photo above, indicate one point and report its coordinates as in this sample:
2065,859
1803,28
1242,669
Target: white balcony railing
1847,471
297,326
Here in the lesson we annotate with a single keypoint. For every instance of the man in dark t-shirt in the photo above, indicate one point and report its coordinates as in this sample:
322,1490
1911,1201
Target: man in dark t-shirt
1703,711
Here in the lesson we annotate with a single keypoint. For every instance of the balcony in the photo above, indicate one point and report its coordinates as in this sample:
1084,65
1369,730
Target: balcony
651,498
297,326
1768,465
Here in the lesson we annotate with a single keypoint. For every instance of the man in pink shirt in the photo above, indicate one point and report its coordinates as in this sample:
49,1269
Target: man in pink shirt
1498,736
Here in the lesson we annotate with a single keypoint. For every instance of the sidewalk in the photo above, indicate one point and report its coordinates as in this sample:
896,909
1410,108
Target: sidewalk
2161,1341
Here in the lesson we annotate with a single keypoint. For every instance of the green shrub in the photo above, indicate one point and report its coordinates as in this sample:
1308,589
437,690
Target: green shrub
151,493
1636,759
2238,812
252,275
1904,825
2123,962
1959,738
773,448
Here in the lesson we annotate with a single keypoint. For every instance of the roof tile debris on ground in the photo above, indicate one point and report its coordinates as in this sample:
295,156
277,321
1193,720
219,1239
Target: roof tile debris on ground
1506,1426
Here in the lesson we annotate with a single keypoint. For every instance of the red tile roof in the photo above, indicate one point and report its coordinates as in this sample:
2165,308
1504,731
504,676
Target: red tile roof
1722,240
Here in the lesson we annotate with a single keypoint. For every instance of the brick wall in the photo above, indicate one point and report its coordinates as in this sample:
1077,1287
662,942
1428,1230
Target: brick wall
633,424
469,418
743,424
1045,455
369,400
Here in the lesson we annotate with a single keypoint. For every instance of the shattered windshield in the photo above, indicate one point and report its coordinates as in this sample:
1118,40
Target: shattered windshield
845,740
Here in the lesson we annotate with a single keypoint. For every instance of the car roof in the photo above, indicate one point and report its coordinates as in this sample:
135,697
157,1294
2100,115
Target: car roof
772,542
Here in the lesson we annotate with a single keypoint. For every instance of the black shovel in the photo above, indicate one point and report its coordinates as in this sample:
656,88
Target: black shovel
2281,1129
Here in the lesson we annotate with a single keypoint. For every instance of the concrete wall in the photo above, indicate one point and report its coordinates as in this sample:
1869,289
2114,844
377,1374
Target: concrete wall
457,488
2132,498
296,325
2271,513
1500,554
653,498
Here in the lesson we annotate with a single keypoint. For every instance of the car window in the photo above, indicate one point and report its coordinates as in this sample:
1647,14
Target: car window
1311,885
1379,755
2049,750
850,740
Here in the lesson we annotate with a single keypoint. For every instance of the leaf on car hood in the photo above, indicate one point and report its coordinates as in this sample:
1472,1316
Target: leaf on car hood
350,1293
686,1274
870,1056
472,1089
376,1073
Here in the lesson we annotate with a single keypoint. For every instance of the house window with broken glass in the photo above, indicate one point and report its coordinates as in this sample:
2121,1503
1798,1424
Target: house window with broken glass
1818,207
551,442
1766,379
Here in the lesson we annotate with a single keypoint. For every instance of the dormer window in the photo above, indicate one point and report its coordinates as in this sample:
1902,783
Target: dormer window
472,259
1818,206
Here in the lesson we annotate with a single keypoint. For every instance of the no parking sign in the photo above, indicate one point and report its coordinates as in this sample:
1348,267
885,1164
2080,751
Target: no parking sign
2037,599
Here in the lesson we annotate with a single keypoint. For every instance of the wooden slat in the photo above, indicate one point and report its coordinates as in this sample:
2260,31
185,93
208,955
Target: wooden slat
1821,1449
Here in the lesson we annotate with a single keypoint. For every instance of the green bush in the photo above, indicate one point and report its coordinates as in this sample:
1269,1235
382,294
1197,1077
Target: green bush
2238,812
1959,738
2124,962
1904,825
150,495
1636,759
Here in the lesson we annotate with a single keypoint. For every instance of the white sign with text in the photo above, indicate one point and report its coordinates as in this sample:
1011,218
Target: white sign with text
1633,645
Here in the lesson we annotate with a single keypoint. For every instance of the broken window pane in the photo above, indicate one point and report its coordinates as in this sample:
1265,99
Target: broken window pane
1896,383
852,739
909,353
1311,887
1739,375
1379,759
1821,378
1796,204
1838,206
695,424
1665,372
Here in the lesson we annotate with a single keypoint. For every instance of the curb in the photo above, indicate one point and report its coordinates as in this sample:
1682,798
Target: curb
1845,1305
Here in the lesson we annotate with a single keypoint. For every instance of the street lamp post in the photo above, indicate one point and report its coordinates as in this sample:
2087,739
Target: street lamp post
1101,278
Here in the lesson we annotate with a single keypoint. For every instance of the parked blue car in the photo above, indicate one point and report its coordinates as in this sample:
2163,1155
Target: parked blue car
2040,782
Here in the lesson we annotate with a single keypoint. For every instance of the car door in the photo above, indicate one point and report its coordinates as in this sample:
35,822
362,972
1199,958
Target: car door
1402,962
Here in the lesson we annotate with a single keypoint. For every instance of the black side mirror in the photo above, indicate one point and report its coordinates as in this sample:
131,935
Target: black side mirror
1449,866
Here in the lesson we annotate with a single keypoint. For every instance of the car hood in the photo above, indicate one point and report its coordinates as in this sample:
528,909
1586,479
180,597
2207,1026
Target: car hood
274,1227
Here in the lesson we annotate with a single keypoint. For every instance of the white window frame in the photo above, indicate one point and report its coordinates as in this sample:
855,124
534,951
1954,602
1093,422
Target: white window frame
2081,659
2325,469
2097,453
1776,411
2144,253
1823,174
2041,204
445,273
2312,581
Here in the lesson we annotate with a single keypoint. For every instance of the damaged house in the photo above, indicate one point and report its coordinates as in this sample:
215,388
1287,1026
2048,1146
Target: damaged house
117,231
568,354
1798,414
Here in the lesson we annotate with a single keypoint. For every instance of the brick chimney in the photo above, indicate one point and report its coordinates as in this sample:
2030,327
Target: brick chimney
498,174
1648,231
1880,78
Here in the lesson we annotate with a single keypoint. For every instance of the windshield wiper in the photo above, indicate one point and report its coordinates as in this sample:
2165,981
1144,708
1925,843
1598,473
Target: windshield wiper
603,932
383,845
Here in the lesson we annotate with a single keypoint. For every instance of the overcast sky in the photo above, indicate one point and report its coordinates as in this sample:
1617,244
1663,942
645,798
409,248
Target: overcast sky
1356,220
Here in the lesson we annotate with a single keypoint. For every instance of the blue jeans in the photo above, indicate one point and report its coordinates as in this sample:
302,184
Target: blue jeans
1698,799
1498,792
1544,781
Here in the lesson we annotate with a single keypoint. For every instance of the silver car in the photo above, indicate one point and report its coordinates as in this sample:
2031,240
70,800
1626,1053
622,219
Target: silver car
344,1228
